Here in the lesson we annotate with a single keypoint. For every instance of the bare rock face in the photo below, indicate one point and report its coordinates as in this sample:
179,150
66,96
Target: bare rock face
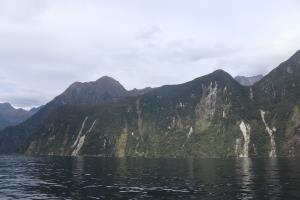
206,108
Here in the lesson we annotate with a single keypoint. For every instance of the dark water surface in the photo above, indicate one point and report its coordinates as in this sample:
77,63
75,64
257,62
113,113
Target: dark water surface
24,177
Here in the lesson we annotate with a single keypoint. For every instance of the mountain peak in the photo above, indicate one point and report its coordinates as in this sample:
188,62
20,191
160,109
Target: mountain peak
106,81
6,106
101,90
221,72
10,116
106,78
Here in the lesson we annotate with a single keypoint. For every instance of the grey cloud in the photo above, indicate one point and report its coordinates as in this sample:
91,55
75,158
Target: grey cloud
25,102
47,45
149,33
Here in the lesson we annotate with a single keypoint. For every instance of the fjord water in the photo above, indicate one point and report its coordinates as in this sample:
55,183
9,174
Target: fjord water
48,177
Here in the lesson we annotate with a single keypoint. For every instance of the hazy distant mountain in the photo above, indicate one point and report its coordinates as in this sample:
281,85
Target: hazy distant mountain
9,116
248,81
211,116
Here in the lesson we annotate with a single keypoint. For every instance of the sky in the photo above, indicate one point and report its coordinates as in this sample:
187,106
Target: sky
47,45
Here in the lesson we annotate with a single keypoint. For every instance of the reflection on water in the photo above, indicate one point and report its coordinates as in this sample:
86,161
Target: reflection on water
272,178
245,171
136,178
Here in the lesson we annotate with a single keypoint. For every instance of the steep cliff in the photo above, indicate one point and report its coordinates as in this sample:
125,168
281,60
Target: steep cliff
211,116
207,117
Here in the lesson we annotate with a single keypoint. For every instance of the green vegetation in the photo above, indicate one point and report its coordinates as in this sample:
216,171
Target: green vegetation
205,117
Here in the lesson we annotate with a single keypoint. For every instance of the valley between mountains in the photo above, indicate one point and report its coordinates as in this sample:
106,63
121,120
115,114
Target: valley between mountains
211,116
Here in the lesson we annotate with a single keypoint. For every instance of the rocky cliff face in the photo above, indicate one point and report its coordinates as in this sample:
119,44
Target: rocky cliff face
161,122
278,96
203,118
211,116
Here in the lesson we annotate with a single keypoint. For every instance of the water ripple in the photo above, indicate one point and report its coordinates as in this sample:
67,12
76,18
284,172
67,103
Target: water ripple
110,178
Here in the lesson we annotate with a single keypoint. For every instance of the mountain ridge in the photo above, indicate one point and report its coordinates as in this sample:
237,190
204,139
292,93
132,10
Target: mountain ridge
210,116
10,116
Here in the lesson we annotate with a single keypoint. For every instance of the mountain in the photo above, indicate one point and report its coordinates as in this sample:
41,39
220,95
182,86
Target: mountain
248,81
137,92
176,120
105,89
278,95
9,116
211,116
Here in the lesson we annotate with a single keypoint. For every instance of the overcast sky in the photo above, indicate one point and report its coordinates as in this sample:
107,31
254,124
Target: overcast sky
47,45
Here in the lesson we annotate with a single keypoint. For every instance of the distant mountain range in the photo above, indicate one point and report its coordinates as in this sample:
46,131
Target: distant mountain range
248,81
211,116
9,116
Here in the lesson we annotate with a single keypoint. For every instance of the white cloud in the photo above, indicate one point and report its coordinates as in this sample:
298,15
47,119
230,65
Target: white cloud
47,45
